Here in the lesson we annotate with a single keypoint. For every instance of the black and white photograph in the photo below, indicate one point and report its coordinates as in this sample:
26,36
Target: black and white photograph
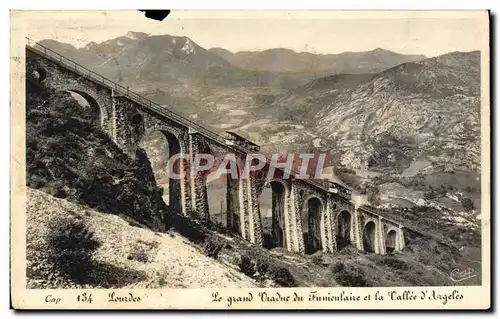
252,150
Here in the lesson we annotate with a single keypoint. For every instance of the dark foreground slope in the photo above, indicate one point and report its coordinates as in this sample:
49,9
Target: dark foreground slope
69,157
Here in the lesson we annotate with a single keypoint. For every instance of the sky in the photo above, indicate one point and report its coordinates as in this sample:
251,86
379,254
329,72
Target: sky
427,32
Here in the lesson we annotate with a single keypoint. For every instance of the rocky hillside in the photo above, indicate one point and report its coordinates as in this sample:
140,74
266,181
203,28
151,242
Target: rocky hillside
69,157
425,110
285,60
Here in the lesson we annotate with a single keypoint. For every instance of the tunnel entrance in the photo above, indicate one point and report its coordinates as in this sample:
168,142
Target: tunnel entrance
390,241
311,229
369,237
343,229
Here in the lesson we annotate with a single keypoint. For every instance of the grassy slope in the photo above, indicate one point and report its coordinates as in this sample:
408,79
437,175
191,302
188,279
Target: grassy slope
128,256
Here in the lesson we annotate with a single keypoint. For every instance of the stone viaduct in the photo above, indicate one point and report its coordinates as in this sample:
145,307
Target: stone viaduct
307,216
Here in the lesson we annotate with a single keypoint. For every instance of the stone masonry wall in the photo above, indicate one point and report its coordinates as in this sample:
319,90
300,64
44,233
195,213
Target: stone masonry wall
244,215
254,220
330,226
120,131
297,240
59,77
198,181
359,231
381,236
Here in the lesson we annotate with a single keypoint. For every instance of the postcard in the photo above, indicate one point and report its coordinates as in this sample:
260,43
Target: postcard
250,160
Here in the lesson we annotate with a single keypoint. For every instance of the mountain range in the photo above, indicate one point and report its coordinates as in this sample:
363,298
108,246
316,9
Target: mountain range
374,108
289,61
138,57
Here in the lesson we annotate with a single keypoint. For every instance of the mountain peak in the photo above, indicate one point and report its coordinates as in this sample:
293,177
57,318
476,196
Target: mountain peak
188,47
136,35
90,46
382,51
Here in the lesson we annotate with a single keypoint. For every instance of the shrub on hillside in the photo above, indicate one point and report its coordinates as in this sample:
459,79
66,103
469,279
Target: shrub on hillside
282,276
71,247
470,189
246,265
262,266
467,204
349,275
267,240
395,263
317,258
139,255
188,227
213,245
140,251
435,192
